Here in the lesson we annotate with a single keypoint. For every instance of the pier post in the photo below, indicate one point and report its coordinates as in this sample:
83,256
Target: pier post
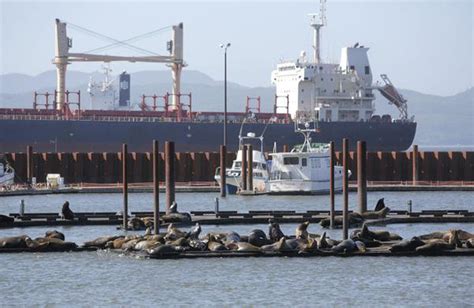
156,189
244,168
250,168
362,175
223,154
169,174
331,183
285,148
345,188
125,186
415,163
29,164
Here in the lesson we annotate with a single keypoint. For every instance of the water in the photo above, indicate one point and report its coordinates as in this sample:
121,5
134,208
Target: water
110,279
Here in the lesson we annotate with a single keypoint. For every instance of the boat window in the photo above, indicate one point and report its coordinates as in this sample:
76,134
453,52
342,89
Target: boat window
238,164
264,166
254,165
303,162
328,162
291,161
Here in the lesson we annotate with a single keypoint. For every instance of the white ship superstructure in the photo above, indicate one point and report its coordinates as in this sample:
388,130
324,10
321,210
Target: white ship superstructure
328,91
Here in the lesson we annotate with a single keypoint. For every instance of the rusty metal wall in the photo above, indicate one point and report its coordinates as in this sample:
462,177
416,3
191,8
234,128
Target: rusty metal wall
200,166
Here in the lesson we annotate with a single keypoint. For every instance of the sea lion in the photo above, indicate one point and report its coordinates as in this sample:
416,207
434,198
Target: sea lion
136,223
173,233
56,244
380,205
311,246
66,212
297,243
243,246
13,241
197,244
55,234
382,213
274,231
173,207
177,217
461,234
117,243
355,220
322,242
346,246
301,231
162,250
438,245
194,232
280,246
232,237
407,245
6,219
433,235
144,245
258,238
130,245
214,245
379,235
470,243
179,242
360,246
99,242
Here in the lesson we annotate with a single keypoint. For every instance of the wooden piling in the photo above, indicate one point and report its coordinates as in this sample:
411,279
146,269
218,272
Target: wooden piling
331,183
415,162
223,154
156,189
169,174
244,168
29,164
125,186
250,168
362,175
345,189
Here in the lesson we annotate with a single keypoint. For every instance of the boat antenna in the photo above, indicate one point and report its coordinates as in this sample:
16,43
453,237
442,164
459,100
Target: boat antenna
317,22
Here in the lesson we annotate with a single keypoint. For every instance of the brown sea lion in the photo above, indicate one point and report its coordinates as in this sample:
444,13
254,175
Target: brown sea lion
66,212
162,250
55,234
322,242
144,245
13,241
301,231
280,246
55,244
346,246
355,220
99,242
243,246
136,223
379,235
439,245
382,213
173,233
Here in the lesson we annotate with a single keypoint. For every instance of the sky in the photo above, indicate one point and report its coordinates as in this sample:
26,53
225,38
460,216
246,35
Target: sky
426,46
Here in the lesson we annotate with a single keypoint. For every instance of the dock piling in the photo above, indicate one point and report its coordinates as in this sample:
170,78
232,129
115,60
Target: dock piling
362,175
345,189
29,164
156,189
169,174
250,168
125,186
223,154
415,163
331,184
244,168
216,204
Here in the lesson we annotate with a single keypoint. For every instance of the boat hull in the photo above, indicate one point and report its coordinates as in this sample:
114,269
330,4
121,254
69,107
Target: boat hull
108,136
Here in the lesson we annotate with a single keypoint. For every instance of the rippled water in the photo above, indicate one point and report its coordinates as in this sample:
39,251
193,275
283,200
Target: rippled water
110,279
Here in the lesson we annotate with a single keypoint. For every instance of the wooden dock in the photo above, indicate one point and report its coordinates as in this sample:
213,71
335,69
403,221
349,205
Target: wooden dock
234,217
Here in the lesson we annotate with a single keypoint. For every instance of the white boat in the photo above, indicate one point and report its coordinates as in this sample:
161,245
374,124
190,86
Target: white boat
7,175
304,170
260,171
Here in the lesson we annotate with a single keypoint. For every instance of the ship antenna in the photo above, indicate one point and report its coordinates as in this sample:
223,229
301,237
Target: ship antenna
317,22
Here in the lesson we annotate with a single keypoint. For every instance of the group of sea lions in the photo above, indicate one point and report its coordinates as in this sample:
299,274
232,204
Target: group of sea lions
52,241
357,219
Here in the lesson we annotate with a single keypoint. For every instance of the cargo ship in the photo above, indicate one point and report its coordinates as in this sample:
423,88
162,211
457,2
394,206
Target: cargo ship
339,96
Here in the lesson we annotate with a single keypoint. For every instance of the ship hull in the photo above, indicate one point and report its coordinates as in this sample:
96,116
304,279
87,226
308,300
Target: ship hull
108,136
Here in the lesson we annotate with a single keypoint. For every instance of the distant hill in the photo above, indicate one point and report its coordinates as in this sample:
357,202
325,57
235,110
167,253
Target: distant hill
441,120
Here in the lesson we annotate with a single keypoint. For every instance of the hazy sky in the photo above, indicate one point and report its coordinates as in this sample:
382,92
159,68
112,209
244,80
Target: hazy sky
426,46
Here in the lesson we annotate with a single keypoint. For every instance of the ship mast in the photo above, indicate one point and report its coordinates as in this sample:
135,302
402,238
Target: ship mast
317,22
